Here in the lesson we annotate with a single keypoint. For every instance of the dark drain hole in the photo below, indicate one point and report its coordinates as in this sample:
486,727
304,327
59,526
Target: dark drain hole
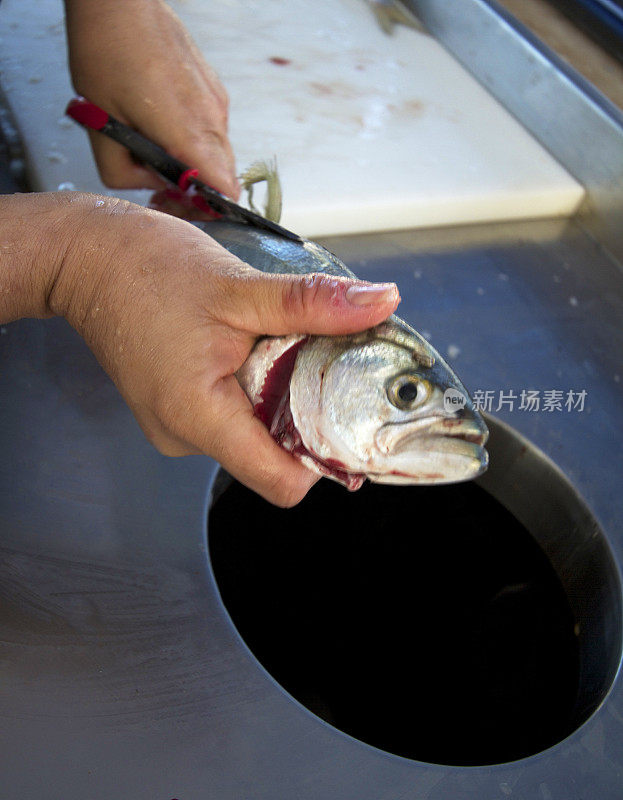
428,621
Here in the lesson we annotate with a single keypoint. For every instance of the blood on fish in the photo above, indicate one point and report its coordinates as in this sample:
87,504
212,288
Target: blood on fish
276,384
335,464
336,469
281,62
185,204
284,432
474,438
274,411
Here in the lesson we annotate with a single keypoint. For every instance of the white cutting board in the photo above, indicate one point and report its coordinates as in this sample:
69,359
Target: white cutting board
371,132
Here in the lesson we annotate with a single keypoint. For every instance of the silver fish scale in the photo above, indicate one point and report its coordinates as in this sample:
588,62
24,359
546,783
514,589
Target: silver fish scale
271,253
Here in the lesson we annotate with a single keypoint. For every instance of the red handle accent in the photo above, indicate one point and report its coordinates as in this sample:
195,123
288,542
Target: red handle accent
86,113
185,177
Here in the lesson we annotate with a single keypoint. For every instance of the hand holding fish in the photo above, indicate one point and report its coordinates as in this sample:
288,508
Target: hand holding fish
135,59
172,316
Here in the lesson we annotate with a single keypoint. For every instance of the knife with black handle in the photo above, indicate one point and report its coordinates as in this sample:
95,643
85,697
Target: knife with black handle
91,116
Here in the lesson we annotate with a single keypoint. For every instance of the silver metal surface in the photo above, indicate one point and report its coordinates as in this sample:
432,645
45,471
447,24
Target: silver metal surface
122,674
574,121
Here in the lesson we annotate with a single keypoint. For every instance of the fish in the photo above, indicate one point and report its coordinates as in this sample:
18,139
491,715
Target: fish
381,404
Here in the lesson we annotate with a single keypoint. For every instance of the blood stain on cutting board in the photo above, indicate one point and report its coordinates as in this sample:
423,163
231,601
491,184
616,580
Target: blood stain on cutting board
410,108
335,89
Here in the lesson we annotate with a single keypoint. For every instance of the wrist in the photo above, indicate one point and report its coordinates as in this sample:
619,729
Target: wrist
58,252
35,236
96,234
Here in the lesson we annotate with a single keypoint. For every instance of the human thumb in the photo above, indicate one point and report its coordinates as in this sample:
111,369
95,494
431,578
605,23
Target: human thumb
316,303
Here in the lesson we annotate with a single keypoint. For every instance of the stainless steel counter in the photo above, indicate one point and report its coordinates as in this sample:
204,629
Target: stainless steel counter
121,674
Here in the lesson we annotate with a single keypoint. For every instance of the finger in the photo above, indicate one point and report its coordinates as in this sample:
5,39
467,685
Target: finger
283,485
208,151
117,168
203,142
315,303
194,130
246,450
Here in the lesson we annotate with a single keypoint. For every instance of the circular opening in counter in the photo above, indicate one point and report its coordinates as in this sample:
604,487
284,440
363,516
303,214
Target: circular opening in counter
469,624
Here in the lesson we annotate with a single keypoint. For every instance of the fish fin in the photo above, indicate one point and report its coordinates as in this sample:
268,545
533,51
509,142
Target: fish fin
264,171
390,13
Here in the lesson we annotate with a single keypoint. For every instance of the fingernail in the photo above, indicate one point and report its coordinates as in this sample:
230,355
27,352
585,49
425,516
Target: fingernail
371,293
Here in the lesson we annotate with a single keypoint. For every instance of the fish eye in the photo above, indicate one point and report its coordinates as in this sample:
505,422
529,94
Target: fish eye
407,392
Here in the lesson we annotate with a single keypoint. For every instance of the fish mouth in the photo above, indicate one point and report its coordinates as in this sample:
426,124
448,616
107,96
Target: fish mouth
395,437
433,450
471,430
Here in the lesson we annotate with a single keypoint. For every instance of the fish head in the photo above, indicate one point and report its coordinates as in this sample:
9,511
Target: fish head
385,405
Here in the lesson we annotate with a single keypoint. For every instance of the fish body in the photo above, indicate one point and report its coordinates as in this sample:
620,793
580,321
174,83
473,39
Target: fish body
367,405
380,404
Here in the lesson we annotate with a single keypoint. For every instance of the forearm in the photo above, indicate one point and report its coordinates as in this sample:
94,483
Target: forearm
83,15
